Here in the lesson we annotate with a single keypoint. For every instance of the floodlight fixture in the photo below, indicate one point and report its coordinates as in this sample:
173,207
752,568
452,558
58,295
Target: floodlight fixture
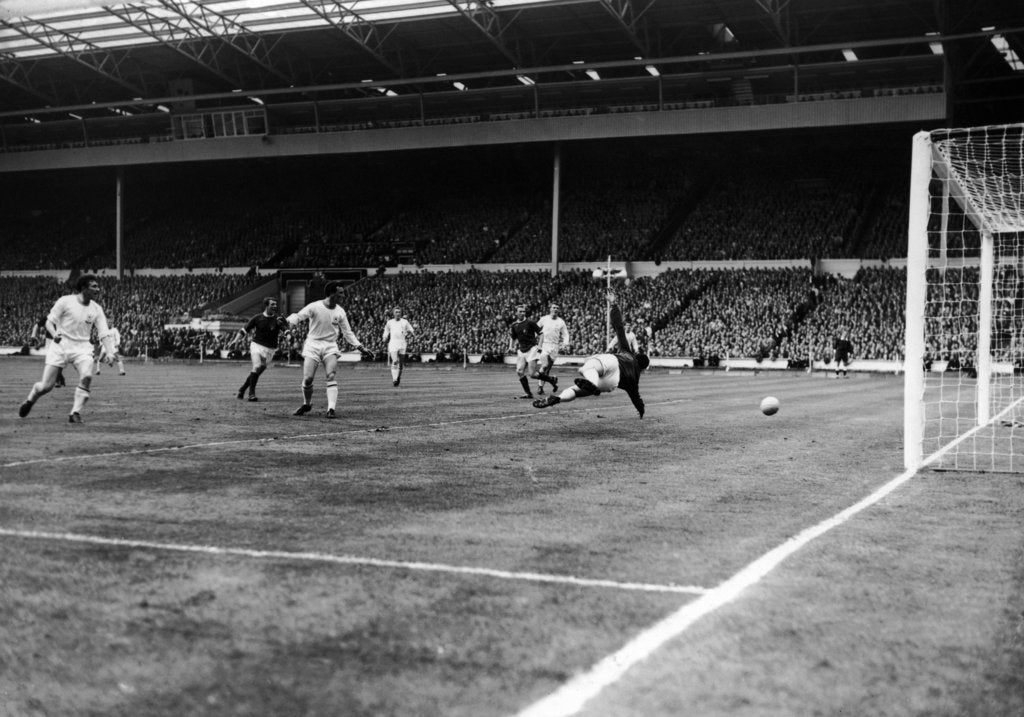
1003,47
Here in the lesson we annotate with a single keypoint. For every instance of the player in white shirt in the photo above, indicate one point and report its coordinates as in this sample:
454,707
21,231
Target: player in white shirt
115,337
397,332
632,345
71,322
327,322
554,336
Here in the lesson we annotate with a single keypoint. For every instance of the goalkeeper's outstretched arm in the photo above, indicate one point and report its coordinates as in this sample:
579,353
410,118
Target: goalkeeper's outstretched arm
617,324
638,402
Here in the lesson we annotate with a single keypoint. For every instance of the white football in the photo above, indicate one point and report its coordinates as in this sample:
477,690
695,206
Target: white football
770,406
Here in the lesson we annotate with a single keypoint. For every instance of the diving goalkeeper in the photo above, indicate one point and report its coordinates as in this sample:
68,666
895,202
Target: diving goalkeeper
603,373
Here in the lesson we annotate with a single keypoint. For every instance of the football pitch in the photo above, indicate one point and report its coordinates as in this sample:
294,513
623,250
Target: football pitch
442,549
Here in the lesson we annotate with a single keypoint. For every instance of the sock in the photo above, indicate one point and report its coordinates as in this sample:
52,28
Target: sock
120,367
545,377
526,384
81,396
395,372
307,394
248,380
332,395
253,378
33,394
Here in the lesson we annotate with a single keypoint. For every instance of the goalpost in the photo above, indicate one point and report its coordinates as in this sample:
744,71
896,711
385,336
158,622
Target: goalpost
964,352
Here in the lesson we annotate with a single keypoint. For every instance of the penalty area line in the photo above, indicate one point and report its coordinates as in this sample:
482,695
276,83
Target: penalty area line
351,560
269,439
571,697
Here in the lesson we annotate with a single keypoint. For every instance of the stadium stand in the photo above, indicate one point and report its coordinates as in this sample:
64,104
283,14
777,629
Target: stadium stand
716,204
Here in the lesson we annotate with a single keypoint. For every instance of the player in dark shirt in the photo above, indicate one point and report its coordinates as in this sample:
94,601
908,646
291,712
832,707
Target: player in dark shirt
842,351
523,341
603,373
265,329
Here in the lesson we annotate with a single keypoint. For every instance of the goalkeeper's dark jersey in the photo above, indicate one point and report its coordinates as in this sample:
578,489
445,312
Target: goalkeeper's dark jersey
266,329
525,334
629,371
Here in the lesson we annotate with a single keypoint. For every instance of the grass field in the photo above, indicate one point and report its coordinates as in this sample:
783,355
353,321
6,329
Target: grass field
443,549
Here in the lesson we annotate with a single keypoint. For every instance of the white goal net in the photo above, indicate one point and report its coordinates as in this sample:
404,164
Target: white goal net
965,301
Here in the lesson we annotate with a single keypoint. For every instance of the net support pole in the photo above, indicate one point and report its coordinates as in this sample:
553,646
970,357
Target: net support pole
917,294
984,359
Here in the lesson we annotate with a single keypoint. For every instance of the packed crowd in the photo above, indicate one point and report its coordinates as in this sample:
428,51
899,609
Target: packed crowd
868,308
705,314
740,313
768,210
141,307
633,205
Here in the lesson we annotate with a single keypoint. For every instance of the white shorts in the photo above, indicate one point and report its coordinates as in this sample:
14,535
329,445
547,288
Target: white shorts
76,353
261,355
532,355
395,349
549,350
319,350
602,370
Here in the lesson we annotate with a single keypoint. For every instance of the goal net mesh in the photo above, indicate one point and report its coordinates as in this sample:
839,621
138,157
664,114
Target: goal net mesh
974,305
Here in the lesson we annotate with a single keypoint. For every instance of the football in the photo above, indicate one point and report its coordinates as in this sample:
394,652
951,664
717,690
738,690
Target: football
770,406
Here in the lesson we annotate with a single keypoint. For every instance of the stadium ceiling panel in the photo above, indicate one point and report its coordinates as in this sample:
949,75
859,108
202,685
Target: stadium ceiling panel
61,53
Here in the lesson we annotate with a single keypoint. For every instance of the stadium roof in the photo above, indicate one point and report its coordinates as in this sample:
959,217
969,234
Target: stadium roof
76,53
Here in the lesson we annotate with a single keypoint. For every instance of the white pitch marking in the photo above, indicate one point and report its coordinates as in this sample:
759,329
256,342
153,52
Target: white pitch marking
351,560
301,436
570,698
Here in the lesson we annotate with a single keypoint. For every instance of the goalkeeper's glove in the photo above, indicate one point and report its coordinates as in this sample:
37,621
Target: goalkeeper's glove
365,352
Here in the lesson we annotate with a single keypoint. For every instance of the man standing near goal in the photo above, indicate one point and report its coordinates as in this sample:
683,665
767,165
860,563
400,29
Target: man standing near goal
842,351
396,333
327,321
603,373
71,322
265,330
554,336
